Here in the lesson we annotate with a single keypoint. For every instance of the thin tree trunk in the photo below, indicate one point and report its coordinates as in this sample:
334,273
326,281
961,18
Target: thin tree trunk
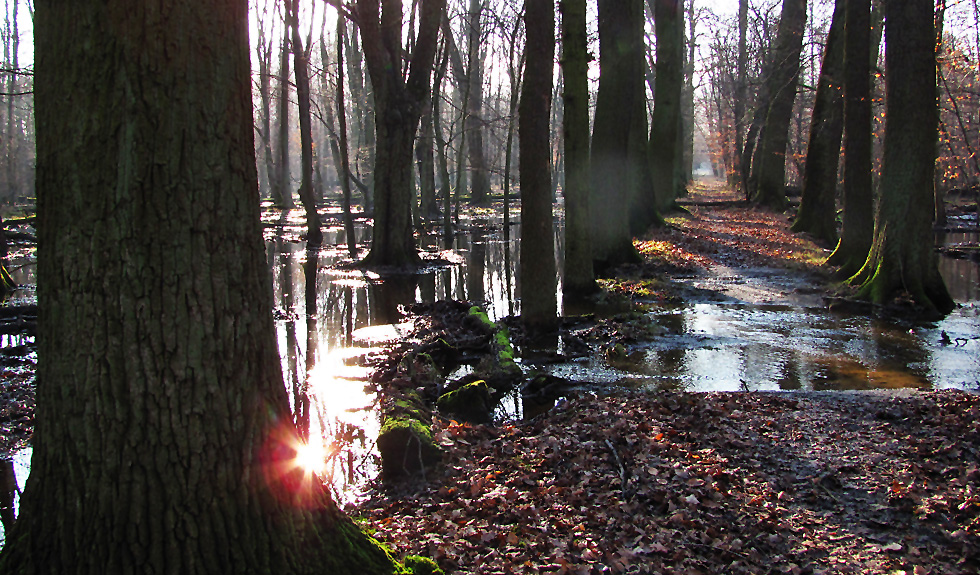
857,228
818,209
285,181
301,57
769,164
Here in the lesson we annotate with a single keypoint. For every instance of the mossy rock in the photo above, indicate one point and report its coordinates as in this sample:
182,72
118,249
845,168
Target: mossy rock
406,447
470,403
417,565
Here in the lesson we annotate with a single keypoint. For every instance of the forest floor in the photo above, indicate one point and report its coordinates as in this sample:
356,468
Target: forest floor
692,483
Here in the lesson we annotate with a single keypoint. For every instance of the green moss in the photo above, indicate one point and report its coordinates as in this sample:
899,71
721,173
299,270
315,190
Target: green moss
482,316
470,403
418,565
406,446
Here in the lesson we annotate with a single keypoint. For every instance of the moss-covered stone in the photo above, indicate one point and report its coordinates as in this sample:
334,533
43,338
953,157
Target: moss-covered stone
470,403
418,565
406,447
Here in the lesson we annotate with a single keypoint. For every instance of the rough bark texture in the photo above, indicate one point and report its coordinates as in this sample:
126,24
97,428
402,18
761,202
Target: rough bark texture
902,258
769,164
398,105
612,243
818,208
539,303
578,278
857,227
665,127
163,433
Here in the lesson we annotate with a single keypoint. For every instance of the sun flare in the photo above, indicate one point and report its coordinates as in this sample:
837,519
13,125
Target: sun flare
311,457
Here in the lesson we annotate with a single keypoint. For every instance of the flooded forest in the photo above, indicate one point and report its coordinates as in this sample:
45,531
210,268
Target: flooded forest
490,286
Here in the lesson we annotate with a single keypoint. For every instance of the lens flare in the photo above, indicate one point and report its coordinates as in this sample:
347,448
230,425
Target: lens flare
311,457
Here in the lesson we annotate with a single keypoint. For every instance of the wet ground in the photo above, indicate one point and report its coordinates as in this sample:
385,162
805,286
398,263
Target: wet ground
736,323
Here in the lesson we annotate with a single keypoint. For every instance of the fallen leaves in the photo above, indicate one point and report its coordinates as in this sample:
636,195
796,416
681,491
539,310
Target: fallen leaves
733,483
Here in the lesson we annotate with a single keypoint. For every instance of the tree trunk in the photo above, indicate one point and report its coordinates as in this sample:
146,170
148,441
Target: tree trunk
398,106
301,58
902,256
857,228
539,302
664,131
741,89
818,206
163,440
612,242
578,277
263,53
479,173
285,187
769,165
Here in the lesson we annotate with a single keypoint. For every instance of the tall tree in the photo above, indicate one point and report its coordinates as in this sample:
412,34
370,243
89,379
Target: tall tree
539,302
479,172
769,160
902,258
615,164
301,64
398,101
741,89
578,278
818,209
857,228
665,126
163,439
285,186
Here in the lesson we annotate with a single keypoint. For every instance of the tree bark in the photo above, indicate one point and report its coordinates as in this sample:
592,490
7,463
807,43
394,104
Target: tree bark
664,130
578,278
398,106
479,173
539,302
857,228
163,440
769,165
902,256
612,242
818,206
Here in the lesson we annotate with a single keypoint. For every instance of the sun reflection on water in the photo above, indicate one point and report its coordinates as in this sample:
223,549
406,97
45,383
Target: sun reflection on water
343,432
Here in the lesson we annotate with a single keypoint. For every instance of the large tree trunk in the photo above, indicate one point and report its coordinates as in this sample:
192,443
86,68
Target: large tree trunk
613,172
664,131
769,164
539,302
818,206
857,228
902,256
398,106
578,277
163,439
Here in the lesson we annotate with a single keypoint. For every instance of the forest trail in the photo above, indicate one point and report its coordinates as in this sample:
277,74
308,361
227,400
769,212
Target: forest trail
641,481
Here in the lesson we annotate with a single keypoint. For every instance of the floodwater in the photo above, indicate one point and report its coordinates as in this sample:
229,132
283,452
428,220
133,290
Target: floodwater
736,333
